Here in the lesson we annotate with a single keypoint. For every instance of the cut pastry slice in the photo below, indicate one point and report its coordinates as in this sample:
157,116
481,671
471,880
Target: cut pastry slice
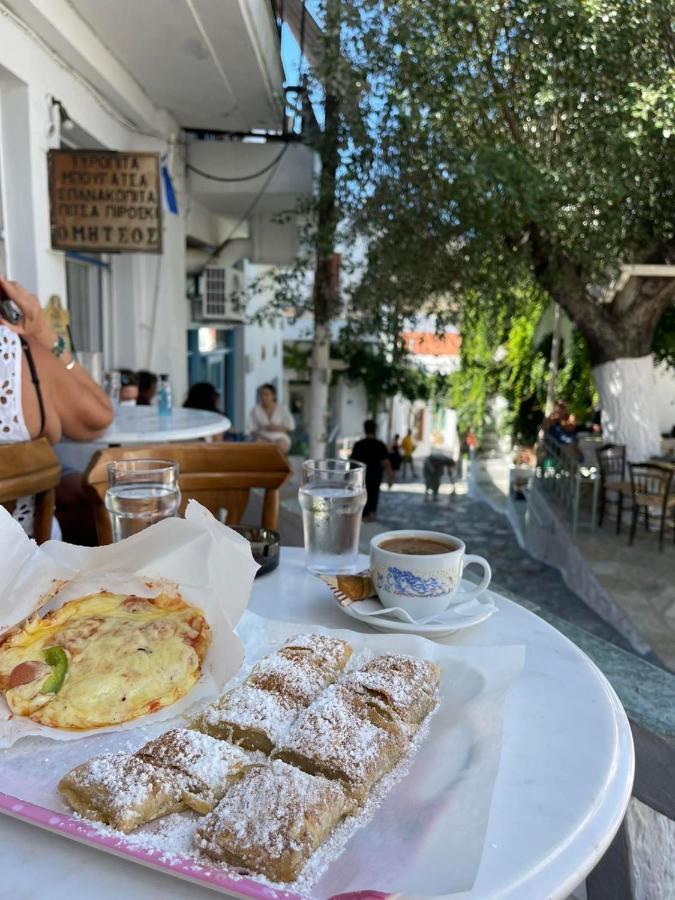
332,654
341,735
402,685
272,819
207,764
298,678
255,719
122,790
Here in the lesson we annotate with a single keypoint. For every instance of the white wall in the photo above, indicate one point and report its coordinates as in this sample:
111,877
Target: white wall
30,74
664,395
349,407
261,360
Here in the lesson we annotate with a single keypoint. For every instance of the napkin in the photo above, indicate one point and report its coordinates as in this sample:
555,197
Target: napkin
209,564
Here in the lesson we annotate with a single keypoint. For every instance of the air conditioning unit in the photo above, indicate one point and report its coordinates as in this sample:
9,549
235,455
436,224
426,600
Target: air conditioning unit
223,294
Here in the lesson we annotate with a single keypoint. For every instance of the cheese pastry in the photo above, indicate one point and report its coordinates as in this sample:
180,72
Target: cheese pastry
402,685
207,765
122,790
332,654
343,736
272,819
255,719
297,678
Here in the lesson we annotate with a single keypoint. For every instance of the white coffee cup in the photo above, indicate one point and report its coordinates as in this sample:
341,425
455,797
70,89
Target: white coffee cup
426,584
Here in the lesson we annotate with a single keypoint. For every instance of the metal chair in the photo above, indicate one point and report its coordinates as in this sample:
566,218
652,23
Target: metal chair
218,475
612,465
651,490
30,469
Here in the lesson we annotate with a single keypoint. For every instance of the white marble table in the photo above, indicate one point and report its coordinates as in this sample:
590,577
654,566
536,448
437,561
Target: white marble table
561,792
144,425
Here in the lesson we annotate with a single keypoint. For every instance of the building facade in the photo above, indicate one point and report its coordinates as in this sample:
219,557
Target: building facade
198,83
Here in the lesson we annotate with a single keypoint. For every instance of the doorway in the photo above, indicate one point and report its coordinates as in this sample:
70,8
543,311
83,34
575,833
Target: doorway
211,358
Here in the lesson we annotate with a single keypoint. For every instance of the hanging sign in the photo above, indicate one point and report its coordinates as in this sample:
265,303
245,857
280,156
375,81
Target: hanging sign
105,201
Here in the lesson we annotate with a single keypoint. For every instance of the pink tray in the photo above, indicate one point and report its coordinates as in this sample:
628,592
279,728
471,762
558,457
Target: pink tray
213,877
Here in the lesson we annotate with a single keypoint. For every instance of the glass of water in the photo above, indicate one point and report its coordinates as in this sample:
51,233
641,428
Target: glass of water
332,497
140,493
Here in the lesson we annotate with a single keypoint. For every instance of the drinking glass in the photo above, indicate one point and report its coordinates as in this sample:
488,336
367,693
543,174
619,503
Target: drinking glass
140,493
332,496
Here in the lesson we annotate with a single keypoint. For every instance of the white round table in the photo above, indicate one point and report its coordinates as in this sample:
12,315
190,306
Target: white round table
144,425
562,789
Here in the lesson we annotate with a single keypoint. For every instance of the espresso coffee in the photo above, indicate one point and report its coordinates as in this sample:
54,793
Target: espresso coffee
417,546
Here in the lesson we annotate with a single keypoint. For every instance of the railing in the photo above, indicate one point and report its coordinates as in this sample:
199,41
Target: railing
563,474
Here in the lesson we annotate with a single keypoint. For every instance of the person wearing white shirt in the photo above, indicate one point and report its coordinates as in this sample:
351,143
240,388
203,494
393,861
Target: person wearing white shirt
271,421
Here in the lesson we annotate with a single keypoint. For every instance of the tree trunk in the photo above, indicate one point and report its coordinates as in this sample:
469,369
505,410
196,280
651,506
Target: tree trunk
629,415
554,361
620,335
318,391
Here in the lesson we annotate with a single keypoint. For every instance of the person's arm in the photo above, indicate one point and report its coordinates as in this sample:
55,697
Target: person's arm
287,419
82,406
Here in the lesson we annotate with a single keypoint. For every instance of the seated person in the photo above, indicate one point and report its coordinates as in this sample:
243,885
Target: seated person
128,388
271,421
147,387
202,395
49,393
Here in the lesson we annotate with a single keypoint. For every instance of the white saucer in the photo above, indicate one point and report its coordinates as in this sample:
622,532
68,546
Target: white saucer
456,618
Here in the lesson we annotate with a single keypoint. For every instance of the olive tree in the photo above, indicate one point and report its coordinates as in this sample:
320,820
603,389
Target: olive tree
528,140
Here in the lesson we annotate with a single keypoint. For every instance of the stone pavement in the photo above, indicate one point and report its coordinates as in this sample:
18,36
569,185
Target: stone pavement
636,580
486,532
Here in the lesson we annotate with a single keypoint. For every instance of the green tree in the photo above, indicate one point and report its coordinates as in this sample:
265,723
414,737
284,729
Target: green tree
528,141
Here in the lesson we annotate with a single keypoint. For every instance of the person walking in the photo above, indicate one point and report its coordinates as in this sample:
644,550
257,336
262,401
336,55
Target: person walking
374,454
394,459
408,448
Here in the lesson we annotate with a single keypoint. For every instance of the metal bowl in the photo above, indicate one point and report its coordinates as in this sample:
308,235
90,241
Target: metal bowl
265,545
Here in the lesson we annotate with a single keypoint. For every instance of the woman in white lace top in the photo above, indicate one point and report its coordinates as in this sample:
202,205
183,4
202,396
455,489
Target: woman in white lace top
55,397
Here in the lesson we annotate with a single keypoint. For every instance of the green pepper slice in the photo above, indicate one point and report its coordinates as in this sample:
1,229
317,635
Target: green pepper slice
55,657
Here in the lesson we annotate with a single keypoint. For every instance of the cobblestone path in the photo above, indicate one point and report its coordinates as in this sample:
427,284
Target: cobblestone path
487,532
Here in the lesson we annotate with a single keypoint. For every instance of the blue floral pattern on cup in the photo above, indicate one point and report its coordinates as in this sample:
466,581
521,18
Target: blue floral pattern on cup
406,584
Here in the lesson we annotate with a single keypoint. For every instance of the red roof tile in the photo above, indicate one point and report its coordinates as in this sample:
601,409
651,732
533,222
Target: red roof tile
426,343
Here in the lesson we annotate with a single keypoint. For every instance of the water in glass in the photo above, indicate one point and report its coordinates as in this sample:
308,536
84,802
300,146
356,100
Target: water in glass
140,493
332,497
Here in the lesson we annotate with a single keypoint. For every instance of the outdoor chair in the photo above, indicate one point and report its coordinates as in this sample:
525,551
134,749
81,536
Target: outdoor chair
30,469
219,475
612,465
651,491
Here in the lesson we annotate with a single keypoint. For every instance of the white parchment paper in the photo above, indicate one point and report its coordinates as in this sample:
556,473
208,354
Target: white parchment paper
211,565
426,838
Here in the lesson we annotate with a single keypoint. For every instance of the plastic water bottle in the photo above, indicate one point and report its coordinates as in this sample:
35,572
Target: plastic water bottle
164,398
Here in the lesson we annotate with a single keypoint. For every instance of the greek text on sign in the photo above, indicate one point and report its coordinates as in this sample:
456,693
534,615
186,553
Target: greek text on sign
105,201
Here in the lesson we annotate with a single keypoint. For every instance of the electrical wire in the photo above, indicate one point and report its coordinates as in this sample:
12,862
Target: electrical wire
249,210
231,180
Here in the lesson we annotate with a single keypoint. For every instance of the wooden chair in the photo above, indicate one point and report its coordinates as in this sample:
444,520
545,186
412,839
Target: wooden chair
217,475
612,465
651,490
30,468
